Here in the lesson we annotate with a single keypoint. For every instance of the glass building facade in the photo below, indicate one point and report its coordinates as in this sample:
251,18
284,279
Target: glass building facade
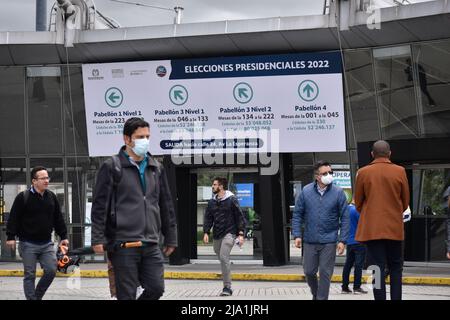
398,93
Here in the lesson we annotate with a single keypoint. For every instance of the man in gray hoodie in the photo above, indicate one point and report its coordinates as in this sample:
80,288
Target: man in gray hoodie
130,212
224,215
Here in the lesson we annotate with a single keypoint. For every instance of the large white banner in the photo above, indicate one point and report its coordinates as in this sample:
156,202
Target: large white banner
278,103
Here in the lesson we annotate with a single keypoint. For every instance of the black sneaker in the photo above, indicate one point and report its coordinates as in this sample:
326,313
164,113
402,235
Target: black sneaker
359,291
226,292
346,290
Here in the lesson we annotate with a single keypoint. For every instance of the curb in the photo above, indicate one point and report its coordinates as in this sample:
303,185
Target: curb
419,280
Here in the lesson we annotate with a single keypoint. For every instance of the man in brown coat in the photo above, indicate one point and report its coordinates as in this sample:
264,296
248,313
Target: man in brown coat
381,196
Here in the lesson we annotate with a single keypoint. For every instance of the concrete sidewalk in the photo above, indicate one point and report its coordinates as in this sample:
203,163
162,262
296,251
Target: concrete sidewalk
425,273
188,291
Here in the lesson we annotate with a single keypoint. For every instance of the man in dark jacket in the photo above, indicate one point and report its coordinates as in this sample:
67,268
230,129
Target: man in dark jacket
224,215
34,214
129,215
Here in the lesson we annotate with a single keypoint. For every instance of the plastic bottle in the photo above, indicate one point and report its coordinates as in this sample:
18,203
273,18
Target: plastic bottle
238,243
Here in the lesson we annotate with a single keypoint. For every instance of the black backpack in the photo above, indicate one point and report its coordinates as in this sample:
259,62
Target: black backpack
116,170
26,196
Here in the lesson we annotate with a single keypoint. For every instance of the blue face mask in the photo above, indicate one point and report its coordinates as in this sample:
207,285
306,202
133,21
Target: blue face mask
141,146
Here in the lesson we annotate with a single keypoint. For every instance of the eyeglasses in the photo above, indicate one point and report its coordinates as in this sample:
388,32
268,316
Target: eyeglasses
43,178
326,173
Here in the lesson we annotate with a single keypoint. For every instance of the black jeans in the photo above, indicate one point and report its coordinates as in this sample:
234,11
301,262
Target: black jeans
138,266
356,255
380,253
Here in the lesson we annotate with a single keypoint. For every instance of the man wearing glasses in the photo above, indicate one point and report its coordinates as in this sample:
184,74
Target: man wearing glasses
321,208
34,214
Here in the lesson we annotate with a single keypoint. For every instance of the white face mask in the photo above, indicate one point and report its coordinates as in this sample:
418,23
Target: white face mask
326,180
141,146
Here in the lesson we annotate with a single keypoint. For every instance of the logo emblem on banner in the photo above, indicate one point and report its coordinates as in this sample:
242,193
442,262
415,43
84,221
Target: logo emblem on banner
161,71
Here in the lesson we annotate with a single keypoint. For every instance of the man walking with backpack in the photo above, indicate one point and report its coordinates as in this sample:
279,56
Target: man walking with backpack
34,214
224,215
132,206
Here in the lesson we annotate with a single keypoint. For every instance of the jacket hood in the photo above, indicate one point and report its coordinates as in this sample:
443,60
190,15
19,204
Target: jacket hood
226,196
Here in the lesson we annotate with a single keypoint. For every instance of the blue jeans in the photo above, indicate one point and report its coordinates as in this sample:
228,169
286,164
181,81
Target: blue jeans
32,253
138,266
356,256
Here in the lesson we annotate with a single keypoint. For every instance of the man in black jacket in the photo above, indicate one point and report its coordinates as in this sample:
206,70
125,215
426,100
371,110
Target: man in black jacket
34,215
224,215
129,215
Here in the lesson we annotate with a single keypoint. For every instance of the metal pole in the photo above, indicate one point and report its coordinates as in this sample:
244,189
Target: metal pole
179,13
41,15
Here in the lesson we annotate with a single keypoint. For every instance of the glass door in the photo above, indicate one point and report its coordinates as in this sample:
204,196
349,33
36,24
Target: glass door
244,184
426,232
12,182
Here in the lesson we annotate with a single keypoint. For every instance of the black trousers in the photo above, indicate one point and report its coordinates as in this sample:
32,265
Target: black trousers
138,266
381,253
356,256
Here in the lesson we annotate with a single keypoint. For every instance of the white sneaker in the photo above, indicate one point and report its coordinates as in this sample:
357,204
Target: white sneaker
139,291
113,298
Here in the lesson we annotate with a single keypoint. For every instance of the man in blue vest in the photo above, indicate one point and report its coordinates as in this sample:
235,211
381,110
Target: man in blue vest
356,256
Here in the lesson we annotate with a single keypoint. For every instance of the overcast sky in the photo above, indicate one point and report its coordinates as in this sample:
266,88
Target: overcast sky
19,15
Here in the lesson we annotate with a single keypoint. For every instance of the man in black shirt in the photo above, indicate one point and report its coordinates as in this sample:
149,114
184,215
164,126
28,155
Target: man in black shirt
224,215
34,214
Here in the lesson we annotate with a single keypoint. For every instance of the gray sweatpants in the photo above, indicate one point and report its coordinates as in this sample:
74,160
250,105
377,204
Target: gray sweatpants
319,257
222,247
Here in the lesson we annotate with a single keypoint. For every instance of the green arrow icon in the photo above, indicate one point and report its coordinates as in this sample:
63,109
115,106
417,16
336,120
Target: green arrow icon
242,92
178,94
308,89
112,97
